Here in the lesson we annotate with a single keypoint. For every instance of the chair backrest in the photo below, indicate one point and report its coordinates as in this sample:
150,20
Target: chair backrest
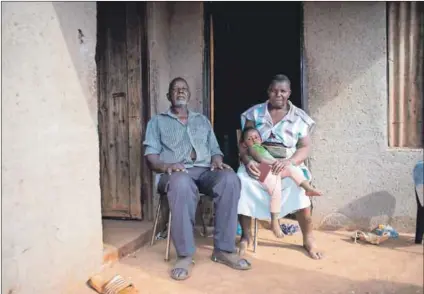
238,131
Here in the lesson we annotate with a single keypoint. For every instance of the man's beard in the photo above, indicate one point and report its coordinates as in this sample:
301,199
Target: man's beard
180,103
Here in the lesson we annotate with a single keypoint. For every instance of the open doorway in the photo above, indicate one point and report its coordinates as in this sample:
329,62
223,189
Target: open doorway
251,42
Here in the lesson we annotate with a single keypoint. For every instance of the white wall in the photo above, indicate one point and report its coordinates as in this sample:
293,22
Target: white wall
51,231
186,48
158,36
364,181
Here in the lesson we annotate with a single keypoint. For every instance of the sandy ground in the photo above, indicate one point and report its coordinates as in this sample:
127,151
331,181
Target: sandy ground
281,266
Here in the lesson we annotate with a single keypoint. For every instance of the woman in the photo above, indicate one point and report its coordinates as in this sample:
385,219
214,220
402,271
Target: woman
285,129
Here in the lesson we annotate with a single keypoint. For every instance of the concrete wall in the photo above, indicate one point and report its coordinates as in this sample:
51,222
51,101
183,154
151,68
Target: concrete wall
51,233
158,35
186,47
364,181
175,36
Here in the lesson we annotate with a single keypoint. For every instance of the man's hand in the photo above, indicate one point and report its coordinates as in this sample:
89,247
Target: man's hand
174,167
279,165
218,164
252,168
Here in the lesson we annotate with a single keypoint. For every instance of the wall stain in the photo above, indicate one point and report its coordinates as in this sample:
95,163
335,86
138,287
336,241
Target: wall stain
80,36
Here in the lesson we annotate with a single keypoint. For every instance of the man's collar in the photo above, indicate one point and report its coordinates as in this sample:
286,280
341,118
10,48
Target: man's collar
171,114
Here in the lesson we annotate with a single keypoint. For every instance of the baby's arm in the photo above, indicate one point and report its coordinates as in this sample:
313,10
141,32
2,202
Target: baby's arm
257,157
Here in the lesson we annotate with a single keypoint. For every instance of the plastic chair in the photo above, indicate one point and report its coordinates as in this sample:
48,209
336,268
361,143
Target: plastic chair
418,186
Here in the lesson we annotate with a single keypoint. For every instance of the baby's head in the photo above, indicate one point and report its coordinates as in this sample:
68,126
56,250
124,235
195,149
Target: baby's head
251,136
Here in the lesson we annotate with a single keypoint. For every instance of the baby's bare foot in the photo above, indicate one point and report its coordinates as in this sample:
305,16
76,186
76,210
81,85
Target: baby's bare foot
313,192
276,229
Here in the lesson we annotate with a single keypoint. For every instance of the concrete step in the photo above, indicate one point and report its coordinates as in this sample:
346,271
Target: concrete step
123,237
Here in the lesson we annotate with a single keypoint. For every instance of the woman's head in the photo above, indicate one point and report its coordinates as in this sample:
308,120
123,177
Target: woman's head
279,91
251,136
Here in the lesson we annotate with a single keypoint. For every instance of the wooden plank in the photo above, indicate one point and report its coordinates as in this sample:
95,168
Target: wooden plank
146,173
134,106
122,172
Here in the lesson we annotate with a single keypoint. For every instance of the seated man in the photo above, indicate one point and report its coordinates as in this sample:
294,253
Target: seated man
181,145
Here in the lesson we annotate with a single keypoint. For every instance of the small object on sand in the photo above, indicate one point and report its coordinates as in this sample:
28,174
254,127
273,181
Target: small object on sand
162,235
381,229
289,229
116,285
370,237
239,230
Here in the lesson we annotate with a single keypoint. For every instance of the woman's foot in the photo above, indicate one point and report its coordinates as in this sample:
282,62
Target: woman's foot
311,248
244,244
311,192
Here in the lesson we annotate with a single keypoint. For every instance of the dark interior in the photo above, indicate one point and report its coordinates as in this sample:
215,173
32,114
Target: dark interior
253,42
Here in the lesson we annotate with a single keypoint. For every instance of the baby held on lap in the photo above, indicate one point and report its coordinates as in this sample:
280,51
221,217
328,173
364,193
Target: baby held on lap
272,182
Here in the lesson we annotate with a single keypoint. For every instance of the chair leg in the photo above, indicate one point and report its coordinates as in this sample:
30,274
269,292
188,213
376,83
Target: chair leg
155,225
419,231
255,237
204,228
168,237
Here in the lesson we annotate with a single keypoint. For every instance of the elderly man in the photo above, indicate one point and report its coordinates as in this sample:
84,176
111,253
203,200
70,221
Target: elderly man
181,145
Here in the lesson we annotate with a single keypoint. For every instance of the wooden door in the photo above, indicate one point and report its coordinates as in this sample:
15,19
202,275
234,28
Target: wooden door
122,108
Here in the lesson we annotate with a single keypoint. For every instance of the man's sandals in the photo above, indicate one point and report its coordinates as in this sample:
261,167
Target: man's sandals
184,265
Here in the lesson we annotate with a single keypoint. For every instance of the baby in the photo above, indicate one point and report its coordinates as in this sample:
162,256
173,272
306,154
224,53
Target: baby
253,141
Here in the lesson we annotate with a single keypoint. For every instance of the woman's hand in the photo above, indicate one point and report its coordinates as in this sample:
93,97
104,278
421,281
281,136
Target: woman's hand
252,168
279,165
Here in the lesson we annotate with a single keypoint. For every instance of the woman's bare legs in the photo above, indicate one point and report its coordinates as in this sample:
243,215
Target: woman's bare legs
246,236
303,216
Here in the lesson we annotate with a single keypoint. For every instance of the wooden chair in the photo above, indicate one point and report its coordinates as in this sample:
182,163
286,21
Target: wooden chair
162,201
418,175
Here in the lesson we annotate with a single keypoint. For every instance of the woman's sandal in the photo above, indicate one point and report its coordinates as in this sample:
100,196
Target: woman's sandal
182,269
231,259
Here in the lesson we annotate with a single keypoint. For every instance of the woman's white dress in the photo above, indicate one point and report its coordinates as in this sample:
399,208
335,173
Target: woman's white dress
254,200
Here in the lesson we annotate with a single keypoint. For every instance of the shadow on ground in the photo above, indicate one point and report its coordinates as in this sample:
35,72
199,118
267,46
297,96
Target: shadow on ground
365,213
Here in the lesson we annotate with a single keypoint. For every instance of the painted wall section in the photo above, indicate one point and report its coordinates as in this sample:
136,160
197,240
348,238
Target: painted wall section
51,233
175,36
364,181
